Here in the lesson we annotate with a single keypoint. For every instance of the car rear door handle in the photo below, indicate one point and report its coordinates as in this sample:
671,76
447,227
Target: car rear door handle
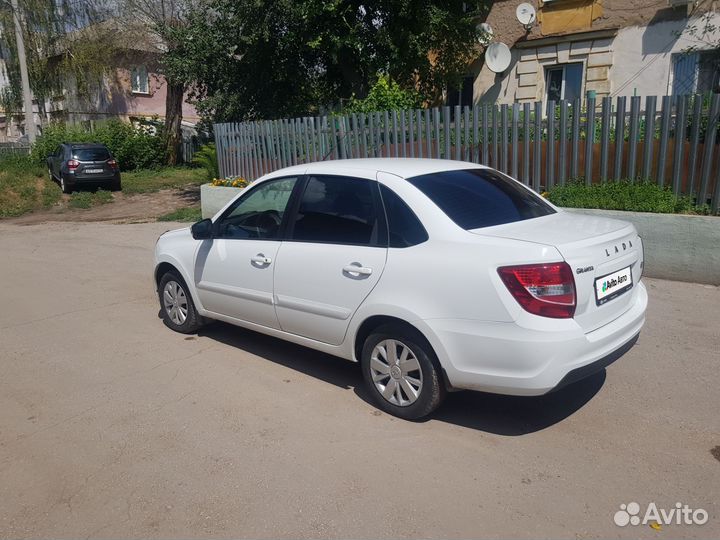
260,259
356,269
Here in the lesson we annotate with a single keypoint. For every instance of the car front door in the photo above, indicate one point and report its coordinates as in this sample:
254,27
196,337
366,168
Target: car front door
234,270
333,256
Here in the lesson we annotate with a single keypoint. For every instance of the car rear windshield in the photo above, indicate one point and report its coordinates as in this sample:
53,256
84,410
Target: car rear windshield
91,154
476,198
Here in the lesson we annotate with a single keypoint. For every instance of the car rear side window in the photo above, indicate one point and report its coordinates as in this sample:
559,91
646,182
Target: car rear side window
404,227
338,210
91,154
476,198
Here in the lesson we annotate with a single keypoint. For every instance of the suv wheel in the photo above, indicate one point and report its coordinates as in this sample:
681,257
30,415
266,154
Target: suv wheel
176,304
63,186
402,372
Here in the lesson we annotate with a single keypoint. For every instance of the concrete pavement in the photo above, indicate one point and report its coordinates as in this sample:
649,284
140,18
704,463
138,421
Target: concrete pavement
111,425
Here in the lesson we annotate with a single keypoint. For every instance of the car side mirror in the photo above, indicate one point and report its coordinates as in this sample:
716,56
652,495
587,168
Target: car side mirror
202,230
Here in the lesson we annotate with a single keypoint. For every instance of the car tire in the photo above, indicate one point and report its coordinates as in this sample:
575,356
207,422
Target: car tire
176,304
411,388
64,187
116,185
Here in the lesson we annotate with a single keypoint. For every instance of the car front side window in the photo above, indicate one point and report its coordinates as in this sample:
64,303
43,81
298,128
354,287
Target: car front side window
259,213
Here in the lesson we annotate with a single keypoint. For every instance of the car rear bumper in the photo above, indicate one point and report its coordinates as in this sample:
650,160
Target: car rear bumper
74,180
504,358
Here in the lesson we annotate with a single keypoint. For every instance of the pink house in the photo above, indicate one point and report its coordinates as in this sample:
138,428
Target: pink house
131,90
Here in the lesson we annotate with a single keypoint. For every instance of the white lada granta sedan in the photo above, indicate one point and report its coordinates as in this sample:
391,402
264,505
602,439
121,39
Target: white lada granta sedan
434,275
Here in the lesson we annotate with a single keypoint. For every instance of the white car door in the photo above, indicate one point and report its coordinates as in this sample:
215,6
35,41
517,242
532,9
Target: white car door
333,256
234,270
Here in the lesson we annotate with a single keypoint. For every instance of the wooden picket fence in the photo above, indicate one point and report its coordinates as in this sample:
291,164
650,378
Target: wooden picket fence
673,141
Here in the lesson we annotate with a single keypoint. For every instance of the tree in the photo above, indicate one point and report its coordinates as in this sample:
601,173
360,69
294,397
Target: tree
45,25
162,24
273,58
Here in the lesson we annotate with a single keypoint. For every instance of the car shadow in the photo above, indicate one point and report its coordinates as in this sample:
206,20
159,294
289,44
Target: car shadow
189,194
492,413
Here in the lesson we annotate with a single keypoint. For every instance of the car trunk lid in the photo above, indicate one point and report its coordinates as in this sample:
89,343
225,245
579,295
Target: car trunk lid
596,248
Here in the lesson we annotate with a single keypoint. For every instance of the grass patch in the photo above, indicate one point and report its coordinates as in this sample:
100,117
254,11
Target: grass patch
87,199
641,196
150,180
190,214
24,187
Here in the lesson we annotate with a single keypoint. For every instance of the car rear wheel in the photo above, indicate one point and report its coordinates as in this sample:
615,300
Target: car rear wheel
116,185
176,305
63,186
402,372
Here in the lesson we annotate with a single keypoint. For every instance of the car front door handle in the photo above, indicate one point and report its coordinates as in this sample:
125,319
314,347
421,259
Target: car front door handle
356,269
260,259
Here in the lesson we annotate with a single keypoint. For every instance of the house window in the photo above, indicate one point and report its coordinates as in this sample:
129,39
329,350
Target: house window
139,80
564,82
696,72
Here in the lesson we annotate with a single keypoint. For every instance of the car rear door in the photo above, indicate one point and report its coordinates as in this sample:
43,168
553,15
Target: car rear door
333,256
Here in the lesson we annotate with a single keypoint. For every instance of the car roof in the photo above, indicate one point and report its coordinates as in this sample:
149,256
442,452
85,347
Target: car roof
403,167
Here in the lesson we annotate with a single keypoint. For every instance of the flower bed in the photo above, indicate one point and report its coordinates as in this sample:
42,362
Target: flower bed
215,195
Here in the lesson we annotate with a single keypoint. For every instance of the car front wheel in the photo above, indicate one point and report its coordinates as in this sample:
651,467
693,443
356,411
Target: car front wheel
402,372
176,305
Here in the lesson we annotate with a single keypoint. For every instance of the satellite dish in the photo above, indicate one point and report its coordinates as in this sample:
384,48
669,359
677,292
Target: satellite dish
525,13
486,33
497,57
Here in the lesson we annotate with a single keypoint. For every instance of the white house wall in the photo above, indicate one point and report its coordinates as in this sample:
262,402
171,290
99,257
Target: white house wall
642,63
637,61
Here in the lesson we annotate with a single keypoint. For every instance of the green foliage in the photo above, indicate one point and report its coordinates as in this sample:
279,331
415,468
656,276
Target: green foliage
206,157
385,95
133,147
47,27
151,180
24,186
250,59
88,199
191,214
641,196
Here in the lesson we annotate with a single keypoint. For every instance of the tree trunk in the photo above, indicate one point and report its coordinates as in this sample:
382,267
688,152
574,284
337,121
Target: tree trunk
173,123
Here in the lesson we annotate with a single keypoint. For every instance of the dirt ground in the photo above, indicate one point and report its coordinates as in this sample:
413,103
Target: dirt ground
136,208
112,426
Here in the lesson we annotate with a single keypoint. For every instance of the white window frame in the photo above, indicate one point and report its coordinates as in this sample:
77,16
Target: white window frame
563,66
138,75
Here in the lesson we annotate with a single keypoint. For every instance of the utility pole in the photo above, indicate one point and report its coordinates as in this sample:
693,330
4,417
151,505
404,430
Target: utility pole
22,60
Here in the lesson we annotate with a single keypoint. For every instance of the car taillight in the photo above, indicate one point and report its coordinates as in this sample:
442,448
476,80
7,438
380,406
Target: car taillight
547,290
73,164
113,164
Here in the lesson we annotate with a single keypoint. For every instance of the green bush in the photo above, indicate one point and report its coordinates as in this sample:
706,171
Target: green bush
640,196
133,148
385,95
206,157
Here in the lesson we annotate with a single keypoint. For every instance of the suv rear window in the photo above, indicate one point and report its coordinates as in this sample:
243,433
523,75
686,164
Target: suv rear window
91,154
476,198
